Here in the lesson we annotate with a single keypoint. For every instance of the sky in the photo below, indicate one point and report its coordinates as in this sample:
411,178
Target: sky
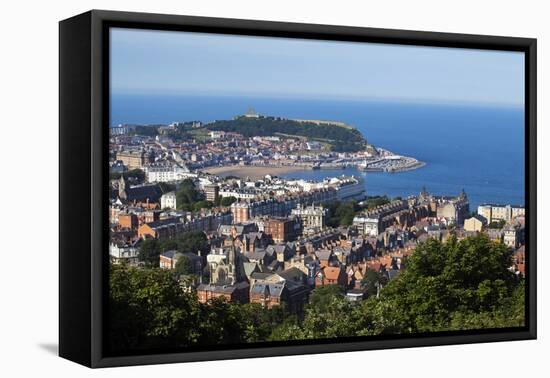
166,62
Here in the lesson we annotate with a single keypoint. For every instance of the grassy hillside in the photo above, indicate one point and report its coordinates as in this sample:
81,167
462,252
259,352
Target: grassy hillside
341,139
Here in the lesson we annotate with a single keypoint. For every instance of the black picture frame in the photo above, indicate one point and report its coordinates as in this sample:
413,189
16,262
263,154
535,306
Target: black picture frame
83,136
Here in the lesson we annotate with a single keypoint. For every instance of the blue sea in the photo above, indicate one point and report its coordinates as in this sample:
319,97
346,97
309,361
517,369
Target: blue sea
476,148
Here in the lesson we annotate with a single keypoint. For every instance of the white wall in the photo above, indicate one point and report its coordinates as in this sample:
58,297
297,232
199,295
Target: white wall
28,81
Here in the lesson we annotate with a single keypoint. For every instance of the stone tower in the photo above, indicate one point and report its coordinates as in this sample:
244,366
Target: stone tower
122,188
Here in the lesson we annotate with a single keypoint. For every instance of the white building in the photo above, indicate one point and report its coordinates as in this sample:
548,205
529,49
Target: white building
168,201
168,174
126,253
119,130
251,113
367,225
313,145
217,134
348,187
241,194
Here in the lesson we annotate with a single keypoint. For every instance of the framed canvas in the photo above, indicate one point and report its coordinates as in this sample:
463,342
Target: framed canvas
235,188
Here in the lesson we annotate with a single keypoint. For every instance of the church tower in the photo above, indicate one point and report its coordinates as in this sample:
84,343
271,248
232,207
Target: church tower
232,276
122,188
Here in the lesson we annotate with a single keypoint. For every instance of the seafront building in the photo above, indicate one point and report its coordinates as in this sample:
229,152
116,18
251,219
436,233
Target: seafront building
168,173
281,206
492,212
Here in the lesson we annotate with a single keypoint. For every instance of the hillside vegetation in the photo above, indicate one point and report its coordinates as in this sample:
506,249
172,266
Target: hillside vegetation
341,139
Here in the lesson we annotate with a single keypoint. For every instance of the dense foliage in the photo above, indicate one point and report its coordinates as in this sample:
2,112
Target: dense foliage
497,224
341,213
145,130
149,310
135,175
340,138
184,266
187,195
454,285
375,201
150,249
225,201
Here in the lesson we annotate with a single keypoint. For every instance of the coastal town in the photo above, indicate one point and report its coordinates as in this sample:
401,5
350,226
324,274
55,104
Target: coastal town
210,206
198,146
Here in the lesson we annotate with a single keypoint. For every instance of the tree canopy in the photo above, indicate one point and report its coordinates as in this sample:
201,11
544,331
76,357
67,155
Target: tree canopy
150,249
149,310
341,213
227,201
447,281
341,139
184,266
187,195
136,175
149,252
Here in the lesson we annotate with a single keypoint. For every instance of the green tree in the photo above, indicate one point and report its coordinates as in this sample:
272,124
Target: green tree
227,201
445,283
187,195
145,130
148,310
341,213
373,280
149,252
202,204
341,138
193,242
322,296
337,318
184,266
134,174
375,201
497,224
289,329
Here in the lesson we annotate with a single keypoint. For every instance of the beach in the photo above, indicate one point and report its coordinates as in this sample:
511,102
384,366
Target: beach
254,172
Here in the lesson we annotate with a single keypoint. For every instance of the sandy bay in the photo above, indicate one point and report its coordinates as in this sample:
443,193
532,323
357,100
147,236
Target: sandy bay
254,172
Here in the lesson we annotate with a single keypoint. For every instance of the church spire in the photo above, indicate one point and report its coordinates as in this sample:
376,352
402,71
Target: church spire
122,186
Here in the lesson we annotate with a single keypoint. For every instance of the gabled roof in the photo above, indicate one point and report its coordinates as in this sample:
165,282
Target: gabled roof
164,222
250,268
222,289
174,254
293,274
142,193
271,289
276,248
169,254
323,254
332,272
260,275
258,254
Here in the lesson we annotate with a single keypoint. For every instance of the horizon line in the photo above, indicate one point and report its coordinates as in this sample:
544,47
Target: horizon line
321,97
